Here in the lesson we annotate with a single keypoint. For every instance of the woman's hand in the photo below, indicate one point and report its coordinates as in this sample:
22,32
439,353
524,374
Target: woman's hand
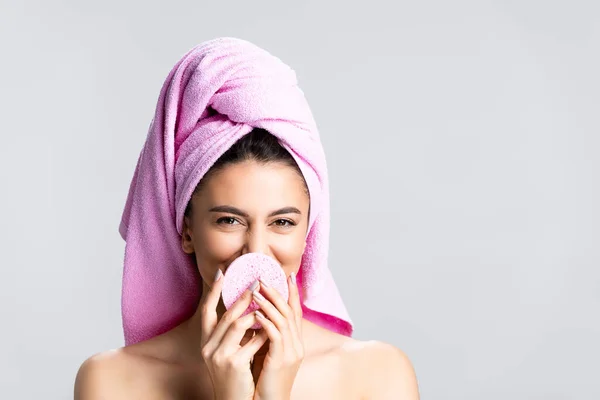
228,362
278,368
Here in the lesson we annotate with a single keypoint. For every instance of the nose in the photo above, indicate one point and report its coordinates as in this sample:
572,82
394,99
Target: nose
256,241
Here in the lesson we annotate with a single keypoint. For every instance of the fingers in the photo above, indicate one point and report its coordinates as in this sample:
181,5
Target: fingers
232,314
274,335
249,349
269,308
210,299
234,335
294,300
277,309
284,317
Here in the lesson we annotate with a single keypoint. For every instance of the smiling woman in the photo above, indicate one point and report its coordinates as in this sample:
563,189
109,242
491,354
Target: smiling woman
253,200
233,165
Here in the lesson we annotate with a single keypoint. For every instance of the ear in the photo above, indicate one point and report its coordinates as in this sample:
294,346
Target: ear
187,243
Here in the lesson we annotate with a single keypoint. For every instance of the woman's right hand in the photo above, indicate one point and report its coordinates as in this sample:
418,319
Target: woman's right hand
228,362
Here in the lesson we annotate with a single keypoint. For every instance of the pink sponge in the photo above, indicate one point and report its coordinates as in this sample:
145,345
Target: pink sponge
244,271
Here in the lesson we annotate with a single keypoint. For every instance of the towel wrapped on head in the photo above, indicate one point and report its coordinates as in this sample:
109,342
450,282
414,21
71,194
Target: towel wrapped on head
218,92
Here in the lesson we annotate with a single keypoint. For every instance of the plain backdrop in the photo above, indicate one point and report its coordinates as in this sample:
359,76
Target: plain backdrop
463,142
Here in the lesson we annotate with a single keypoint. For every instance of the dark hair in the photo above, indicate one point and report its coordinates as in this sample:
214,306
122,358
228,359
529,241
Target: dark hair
258,145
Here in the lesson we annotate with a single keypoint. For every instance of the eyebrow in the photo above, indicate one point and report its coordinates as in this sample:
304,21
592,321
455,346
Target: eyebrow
237,211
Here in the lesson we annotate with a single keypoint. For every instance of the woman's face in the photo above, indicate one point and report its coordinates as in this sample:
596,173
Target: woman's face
248,207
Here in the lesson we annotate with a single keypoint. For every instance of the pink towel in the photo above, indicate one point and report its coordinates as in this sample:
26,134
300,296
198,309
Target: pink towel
218,92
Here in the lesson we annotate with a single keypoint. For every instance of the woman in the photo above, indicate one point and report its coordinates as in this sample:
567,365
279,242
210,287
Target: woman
232,165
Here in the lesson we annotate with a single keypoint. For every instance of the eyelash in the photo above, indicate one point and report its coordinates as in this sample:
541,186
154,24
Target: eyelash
287,221
220,220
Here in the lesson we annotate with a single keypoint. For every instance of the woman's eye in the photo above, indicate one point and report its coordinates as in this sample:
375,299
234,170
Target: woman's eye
226,221
284,222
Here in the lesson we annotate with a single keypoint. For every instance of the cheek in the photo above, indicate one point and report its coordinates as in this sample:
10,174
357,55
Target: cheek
288,250
213,251
218,246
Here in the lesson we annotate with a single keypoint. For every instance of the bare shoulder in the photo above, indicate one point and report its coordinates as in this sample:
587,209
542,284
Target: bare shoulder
388,371
100,377
116,374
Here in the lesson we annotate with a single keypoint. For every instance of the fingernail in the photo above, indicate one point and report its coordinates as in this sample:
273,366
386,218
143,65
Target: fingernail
218,275
259,314
293,276
254,286
264,284
258,296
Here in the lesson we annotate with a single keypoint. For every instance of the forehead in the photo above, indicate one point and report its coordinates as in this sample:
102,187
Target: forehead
273,184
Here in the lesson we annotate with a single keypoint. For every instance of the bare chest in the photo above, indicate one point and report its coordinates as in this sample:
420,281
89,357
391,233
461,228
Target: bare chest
322,378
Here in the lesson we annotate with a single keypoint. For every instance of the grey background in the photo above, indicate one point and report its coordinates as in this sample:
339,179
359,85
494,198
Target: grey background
462,139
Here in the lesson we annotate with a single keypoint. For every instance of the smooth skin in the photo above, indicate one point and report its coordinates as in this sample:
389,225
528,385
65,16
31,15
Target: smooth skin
248,207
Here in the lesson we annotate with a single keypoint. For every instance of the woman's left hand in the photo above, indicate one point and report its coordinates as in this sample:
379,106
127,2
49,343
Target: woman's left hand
277,368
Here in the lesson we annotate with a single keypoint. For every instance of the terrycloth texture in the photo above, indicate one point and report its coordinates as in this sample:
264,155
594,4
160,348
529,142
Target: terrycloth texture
218,92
